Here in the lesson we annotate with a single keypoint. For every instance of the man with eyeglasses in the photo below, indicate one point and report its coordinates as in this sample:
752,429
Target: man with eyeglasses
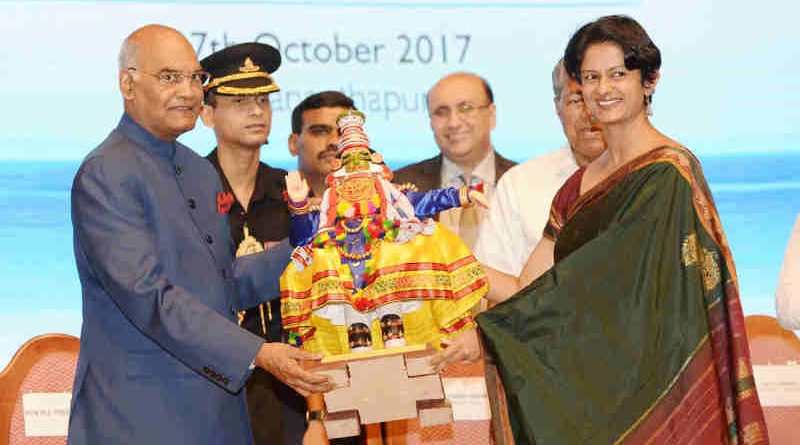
162,360
521,204
462,116
237,108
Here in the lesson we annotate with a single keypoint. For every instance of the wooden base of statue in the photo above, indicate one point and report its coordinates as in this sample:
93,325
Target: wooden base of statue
382,386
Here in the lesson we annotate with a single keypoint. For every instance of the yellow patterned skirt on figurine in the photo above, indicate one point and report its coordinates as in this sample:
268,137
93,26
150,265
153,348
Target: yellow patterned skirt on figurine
431,280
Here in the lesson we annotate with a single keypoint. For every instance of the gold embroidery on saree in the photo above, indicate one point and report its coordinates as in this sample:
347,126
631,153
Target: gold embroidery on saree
693,255
711,271
754,433
744,370
730,418
688,167
689,249
745,383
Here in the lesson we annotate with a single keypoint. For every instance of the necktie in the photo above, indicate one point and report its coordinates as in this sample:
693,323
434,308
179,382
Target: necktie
469,219
468,231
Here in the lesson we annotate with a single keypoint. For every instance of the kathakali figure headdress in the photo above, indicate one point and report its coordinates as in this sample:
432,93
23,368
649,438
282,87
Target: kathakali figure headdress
354,151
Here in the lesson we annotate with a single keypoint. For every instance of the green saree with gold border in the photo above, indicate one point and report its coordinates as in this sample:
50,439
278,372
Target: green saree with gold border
636,335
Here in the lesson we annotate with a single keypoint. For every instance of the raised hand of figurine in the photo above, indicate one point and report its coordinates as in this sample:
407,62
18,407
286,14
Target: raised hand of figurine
296,186
283,361
464,347
479,199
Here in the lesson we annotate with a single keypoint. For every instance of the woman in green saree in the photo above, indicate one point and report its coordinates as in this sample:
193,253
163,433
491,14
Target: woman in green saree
628,328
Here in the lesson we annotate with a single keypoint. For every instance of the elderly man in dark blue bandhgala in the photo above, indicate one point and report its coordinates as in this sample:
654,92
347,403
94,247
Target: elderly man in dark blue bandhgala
162,360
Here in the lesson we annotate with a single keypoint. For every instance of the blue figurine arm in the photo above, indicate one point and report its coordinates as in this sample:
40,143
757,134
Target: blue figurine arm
302,228
427,204
115,241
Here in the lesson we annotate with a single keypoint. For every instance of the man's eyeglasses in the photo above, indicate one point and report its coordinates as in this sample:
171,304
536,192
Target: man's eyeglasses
462,110
170,78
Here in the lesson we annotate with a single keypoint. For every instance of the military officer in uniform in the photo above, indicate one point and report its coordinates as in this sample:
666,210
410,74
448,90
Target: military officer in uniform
237,108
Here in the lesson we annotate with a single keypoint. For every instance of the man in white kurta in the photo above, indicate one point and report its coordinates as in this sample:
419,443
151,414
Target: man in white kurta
519,208
521,202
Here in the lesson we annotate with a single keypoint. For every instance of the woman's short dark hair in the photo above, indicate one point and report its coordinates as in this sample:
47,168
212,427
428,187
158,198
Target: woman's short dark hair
639,51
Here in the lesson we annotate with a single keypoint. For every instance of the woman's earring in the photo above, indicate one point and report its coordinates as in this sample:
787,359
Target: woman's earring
648,104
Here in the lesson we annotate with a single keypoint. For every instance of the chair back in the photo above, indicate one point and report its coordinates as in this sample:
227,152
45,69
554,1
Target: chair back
42,369
773,346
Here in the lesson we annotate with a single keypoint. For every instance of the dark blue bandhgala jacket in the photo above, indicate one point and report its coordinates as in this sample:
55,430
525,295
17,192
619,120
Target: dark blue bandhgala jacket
162,360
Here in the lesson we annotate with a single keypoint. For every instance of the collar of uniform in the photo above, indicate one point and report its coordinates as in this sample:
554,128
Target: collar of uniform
263,179
485,171
213,158
144,138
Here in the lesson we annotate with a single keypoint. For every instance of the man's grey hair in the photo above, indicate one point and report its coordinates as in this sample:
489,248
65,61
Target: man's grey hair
127,54
559,78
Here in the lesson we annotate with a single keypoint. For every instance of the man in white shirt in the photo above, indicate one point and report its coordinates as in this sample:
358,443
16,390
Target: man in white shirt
462,117
520,206
787,295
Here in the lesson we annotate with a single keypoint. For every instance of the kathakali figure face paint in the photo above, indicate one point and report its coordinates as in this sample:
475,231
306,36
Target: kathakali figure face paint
357,160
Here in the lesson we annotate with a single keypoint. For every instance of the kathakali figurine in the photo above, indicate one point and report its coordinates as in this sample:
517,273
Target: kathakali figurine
371,269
